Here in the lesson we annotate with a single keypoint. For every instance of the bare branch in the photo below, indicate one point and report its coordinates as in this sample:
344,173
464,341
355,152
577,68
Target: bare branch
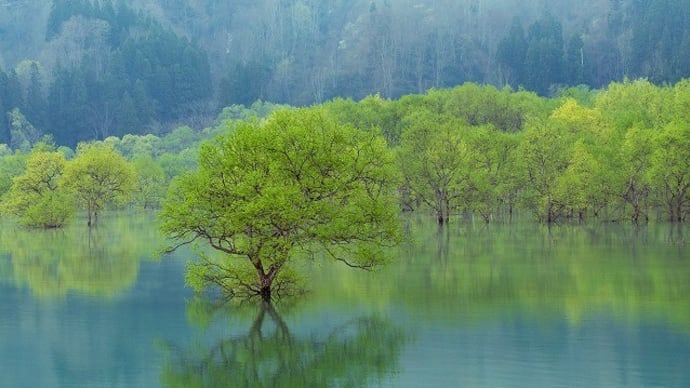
173,248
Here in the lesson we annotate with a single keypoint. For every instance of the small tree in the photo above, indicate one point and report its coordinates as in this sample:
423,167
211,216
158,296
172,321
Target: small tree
437,163
151,182
99,175
36,196
266,195
669,171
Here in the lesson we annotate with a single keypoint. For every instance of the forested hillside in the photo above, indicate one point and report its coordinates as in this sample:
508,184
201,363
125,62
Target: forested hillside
83,69
103,70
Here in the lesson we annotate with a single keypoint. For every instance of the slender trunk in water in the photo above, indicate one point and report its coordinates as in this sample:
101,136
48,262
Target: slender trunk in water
266,280
265,293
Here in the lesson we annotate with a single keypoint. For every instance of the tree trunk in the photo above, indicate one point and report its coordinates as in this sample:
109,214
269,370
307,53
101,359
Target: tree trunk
679,208
266,280
265,293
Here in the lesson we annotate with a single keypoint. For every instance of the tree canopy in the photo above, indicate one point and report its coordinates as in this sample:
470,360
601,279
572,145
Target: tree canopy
99,175
298,186
38,196
468,151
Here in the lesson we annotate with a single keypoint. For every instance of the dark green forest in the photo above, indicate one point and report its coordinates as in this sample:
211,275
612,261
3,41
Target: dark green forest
114,71
83,69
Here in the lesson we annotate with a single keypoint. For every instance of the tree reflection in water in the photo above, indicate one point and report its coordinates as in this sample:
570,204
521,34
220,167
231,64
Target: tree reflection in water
100,261
269,354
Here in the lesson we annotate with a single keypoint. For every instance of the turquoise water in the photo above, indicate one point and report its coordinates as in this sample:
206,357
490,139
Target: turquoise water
505,305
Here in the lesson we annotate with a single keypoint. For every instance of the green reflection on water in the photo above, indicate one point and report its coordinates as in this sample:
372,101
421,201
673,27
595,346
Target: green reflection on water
256,347
475,272
100,261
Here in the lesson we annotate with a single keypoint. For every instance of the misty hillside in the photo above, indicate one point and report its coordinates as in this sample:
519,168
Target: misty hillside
82,69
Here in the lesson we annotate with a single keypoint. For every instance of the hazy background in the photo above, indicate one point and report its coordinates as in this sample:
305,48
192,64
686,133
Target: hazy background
82,69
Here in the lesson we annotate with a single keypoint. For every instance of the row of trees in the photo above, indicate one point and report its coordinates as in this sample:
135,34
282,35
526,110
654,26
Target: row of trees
319,181
331,179
44,185
47,193
620,153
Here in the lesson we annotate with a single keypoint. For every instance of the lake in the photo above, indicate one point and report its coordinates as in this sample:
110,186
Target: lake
509,305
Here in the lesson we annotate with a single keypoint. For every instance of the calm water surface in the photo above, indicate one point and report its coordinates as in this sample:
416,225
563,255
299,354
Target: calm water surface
504,305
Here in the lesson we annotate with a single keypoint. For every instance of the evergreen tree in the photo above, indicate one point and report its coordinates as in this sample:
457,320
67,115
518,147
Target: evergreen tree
575,62
510,54
544,58
35,105
13,91
4,125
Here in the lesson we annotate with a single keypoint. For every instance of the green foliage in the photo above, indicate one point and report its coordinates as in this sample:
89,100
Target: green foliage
37,196
11,165
178,164
637,102
257,110
472,150
436,163
669,171
495,181
134,146
296,186
99,176
151,182
635,153
544,158
583,153
23,134
371,113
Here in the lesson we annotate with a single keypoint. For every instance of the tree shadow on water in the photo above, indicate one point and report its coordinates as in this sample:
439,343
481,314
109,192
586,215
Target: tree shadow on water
354,353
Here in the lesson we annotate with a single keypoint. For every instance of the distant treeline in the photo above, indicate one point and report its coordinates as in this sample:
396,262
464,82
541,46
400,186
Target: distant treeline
83,69
619,154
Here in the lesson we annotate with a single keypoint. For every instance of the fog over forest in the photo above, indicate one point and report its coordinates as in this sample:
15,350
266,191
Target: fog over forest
81,69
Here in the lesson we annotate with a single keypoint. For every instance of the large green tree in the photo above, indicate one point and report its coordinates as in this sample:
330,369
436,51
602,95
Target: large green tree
298,186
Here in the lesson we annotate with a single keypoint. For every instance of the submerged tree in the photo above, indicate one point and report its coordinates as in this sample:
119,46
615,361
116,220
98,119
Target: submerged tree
298,186
36,196
436,163
99,175
670,169
151,182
